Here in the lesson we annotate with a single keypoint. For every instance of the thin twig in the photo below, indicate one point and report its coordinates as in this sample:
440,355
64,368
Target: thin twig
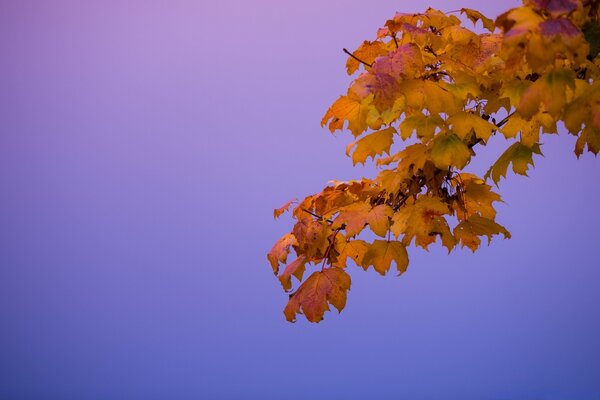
317,216
357,59
505,120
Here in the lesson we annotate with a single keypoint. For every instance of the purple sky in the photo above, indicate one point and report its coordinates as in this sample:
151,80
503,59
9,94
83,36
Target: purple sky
143,147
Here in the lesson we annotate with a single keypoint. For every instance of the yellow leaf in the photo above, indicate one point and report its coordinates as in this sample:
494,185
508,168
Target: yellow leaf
438,99
413,156
513,90
313,297
422,220
549,90
463,123
424,125
589,137
393,180
475,16
448,150
378,219
519,155
352,109
354,249
381,253
457,36
465,86
529,129
477,197
373,144
391,114
468,231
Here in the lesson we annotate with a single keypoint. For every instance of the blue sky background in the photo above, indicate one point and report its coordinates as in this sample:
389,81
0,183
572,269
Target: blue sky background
143,147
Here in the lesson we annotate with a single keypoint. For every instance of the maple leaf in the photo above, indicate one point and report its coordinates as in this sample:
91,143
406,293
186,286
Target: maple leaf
422,219
424,125
550,90
367,52
382,91
475,16
311,237
280,251
354,249
331,199
529,129
355,216
373,144
378,219
477,198
296,268
313,297
449,151
415,155
590,137
468,232
521,157
381,253
463,123
349,108
405,61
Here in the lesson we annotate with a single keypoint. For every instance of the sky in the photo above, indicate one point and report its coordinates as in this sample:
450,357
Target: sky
143,148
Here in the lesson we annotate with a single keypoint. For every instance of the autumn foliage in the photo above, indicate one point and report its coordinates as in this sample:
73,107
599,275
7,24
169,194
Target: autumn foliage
429,80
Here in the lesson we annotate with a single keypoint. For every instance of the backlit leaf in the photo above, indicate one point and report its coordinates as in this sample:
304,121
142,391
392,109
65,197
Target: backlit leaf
423,220
449,151
468,232
463,123
353,249
296,268
381,253
313,297
373,144
519,155
475,16
367,52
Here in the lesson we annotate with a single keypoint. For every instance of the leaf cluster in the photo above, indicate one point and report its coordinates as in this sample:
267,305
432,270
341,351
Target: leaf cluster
446,89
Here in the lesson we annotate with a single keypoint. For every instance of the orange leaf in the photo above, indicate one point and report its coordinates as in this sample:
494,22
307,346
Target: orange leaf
278,211
381,254
296,268
313,297
280,251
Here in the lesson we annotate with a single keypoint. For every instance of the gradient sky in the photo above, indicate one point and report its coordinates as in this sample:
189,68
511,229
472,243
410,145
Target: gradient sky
143,147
